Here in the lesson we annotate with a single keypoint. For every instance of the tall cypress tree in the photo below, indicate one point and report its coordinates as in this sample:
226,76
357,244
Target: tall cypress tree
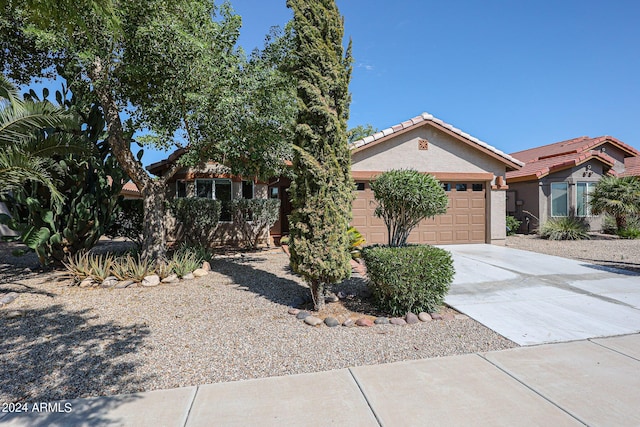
322,190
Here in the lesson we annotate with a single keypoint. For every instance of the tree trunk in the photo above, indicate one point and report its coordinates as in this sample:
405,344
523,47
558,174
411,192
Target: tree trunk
154,245
621,222
317,294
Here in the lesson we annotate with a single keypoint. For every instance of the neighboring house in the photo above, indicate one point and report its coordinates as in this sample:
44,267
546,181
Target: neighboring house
130,191
557,178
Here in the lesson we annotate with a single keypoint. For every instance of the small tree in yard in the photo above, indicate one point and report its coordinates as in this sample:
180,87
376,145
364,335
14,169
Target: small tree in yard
322,191
618,197
406,197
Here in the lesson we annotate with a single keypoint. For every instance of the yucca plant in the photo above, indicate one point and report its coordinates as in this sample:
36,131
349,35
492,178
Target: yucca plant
185,262
101,266
78,266
565,228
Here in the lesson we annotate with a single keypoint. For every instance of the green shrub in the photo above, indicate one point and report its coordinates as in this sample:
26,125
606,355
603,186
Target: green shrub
199,218
128,221
253,218
409,278
565,228
406,197
629,232
284,240
512,225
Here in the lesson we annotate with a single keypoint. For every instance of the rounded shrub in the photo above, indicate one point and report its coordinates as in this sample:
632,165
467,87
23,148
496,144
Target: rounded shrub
565,228
408,278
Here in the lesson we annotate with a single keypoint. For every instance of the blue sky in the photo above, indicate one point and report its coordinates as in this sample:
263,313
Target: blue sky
514,74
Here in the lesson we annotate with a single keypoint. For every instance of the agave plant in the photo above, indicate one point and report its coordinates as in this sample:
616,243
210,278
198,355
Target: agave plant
101,266
137,268
185,262
79,266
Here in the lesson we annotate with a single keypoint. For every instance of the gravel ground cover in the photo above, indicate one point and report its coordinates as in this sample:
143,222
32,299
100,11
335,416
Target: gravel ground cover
601,249
61,342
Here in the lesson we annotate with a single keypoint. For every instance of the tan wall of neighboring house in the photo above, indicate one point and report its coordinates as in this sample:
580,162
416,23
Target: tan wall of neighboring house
527,204
446,154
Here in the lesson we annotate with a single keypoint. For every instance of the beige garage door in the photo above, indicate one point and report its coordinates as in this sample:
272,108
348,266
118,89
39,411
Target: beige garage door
464,221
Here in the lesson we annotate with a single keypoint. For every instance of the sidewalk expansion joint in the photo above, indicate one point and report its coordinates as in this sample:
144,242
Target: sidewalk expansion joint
612,349
193,399
365,398
532,389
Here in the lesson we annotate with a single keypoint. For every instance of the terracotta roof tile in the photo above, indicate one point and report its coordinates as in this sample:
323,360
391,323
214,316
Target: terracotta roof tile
426,117
537,169
575,145
631,167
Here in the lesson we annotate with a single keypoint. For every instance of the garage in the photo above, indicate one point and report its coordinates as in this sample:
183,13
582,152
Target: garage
464,222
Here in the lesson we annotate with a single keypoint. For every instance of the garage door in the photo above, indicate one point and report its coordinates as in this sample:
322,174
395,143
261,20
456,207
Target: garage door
464,221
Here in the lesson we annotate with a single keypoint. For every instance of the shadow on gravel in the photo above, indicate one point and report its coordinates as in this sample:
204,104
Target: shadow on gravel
52,354
273,287
626,268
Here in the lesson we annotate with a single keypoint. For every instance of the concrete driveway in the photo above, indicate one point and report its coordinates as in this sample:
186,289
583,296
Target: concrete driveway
532,298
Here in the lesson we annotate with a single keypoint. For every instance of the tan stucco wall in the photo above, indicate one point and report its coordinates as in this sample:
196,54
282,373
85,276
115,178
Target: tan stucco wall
444,154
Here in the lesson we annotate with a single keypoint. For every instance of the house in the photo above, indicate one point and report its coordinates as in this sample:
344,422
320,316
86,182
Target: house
557,178
471,171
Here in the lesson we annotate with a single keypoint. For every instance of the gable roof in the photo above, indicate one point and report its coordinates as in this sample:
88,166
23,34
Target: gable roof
539,168
541,161
581,144
427,119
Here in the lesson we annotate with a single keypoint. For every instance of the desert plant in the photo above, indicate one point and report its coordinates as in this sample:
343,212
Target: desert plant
618,197
164,268
253,218
512,225
356,241
185,262
134,268
629,232
565,228
78,266
101,266
408,278
199,218
406,197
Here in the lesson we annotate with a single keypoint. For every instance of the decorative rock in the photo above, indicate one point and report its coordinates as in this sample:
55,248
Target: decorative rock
8,298
364,321
411,319
399,321
124,284
297,302
27,270
172,278
461,317
381,321
342,295
349,323
436,316
425,317
150,281
13,314
109,282
293,311
331,322
312,320
188,276
86,282
200,272
206,266
303,315
332,298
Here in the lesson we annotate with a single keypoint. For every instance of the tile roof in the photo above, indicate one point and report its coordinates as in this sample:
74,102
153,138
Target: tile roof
631,166
425,118
576,145
131,188
539,168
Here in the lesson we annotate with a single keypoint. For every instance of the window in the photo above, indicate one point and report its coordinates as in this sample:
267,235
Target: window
218,189
559,199
583,195
477,187
359,186
274,193
446,186
247,189
181,189
461,187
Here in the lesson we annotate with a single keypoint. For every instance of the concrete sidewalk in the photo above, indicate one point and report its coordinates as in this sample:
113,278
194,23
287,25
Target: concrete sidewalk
594,382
